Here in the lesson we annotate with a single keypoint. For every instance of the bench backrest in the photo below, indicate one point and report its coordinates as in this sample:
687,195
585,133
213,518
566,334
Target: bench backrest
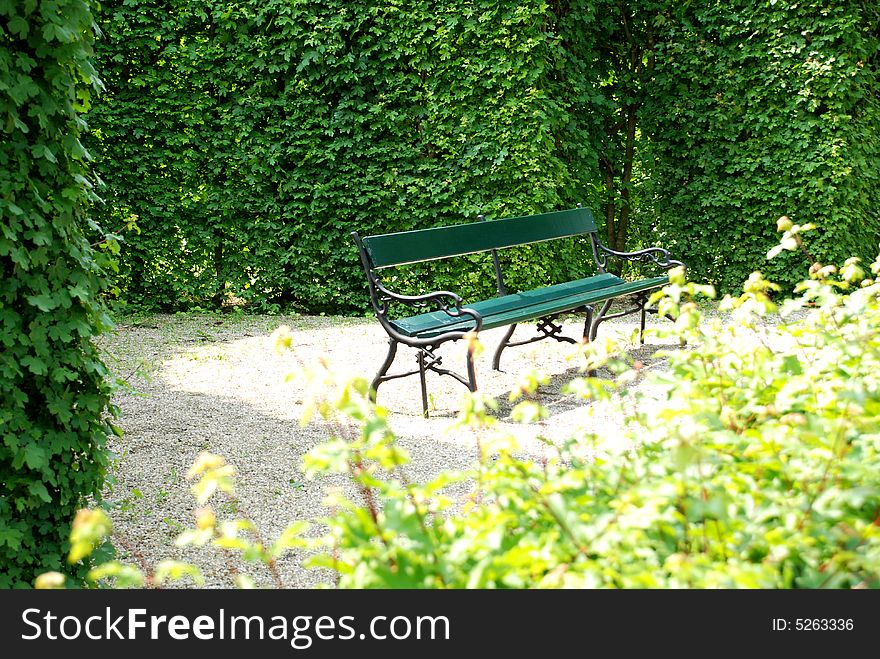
456,240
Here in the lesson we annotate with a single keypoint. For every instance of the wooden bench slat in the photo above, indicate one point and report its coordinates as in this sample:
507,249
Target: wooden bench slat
530,305
440,242
415,325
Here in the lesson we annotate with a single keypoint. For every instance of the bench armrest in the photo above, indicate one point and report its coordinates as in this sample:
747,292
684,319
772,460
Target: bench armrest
445,301
656,255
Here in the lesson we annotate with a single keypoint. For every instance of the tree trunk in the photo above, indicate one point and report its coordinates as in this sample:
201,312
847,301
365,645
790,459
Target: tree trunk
218,269
619,242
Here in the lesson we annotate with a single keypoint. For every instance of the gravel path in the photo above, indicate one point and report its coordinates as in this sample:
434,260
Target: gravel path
216,383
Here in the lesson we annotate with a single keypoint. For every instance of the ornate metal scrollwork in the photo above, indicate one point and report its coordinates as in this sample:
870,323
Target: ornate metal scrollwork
445,301
656,255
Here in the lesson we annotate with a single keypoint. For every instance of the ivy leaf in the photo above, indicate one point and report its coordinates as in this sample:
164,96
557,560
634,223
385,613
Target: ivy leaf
35,365
39,490
35,456
11,538
44,301
19,26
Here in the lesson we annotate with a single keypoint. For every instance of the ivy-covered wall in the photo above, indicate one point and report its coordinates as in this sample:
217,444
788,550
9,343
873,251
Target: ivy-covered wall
54,392
760,112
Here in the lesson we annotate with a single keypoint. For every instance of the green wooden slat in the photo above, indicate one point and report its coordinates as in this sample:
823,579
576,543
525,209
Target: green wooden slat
434,319
567,303
522,308
440,242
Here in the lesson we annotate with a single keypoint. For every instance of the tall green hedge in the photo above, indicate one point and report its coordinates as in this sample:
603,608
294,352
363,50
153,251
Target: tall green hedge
53,388
758,112
249,140
246,140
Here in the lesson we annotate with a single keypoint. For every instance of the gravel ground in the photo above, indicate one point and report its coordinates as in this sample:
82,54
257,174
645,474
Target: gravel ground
215,383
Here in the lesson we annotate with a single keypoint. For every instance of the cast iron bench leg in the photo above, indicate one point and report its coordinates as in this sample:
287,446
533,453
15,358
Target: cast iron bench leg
374,385
642,302
588,322
471,371
421,359
595,329
496,360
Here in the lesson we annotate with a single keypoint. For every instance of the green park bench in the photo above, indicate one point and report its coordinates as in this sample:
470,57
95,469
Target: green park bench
451,319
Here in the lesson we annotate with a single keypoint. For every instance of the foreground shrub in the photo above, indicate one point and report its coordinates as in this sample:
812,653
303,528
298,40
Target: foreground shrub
751,461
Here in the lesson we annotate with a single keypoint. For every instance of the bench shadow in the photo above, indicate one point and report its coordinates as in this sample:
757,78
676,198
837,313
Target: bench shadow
551,395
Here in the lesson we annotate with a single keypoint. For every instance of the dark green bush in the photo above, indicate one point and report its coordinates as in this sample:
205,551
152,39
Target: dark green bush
757,114
249,142
54,393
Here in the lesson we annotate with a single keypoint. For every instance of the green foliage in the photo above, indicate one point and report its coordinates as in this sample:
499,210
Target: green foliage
54,392
249,140
757,114
751,462
242,143
755,467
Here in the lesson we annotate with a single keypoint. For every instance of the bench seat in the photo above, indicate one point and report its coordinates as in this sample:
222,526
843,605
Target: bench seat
528,305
